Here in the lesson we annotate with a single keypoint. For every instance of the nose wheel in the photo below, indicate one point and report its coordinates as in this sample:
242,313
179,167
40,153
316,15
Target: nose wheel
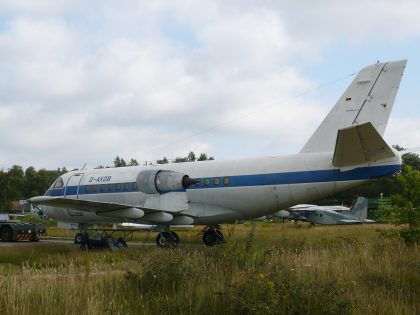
168,238
212,236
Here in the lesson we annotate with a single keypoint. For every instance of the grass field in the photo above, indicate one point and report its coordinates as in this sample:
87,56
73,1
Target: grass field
262,268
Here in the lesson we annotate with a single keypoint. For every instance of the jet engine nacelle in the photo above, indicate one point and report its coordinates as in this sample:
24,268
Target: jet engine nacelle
158,181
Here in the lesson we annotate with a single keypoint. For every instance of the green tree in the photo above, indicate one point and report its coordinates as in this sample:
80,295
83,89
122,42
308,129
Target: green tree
31,186
133,162
181,160
15,183
406,203
163,161
204,157
412,159
191,156
409,158
119,162
3,190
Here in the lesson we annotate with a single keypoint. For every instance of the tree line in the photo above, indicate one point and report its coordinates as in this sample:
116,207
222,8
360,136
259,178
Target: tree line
17,184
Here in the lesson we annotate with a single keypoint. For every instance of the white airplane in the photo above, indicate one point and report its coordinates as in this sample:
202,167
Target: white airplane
328,214
346,150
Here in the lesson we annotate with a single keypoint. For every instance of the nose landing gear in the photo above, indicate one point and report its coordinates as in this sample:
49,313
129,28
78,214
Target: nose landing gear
212,236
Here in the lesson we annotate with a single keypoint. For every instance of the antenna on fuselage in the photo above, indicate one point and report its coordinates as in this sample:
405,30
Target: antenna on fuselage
84,165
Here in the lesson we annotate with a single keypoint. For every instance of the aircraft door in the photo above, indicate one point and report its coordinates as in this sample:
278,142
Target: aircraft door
72,191
72,186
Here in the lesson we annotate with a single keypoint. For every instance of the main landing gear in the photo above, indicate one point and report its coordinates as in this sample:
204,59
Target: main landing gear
212,236
167,238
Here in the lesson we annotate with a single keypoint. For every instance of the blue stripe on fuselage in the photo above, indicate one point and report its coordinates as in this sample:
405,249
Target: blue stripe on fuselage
320,176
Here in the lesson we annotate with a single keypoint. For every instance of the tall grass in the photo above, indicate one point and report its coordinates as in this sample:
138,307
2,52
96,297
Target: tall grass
261,269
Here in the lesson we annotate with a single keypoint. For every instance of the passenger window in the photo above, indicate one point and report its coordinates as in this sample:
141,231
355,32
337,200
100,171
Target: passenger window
58,183
118,187
198,183
207,181
134,186
95,188
109,187
226,180
87,188
216,181
102,188
126,186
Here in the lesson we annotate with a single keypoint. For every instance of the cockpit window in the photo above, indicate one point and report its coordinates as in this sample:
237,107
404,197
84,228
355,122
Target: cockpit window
58,183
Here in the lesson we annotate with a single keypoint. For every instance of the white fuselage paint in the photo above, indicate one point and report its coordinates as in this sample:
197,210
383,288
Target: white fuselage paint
252,191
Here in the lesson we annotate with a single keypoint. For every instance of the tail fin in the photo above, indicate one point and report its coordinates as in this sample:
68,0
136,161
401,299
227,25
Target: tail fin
369,98
359,210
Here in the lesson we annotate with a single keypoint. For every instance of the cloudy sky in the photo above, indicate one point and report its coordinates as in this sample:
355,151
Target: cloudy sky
84,81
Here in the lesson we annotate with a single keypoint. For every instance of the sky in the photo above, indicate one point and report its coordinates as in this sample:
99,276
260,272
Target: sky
85,81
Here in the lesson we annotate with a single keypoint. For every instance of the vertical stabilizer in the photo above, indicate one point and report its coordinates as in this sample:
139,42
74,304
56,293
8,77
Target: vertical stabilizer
359,210
369,98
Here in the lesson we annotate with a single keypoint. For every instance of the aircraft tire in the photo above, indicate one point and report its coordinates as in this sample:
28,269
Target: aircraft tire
209,237
161,240
174,238
220,236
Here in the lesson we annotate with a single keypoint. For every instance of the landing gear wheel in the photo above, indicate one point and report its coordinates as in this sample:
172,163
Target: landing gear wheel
78,238
212,237
164,239
161,240
6,234
174,237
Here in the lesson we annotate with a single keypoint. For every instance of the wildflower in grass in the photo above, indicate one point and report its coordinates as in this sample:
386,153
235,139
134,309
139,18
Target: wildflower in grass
270,284
261,276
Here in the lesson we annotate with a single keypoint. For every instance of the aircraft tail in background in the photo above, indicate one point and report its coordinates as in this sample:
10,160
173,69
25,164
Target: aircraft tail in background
359,210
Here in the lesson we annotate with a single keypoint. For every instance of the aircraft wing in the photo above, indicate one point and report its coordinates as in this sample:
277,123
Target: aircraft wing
112,209
83,205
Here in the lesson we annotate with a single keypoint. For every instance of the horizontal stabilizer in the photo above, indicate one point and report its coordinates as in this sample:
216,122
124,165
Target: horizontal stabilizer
360,144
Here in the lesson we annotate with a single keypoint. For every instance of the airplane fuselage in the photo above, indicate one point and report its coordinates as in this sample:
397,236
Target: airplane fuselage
227,190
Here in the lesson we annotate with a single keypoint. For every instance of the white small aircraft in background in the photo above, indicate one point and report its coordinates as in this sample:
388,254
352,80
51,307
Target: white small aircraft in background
346,150
328,214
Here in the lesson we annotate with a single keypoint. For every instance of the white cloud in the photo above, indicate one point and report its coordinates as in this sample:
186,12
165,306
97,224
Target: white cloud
403,131
85,81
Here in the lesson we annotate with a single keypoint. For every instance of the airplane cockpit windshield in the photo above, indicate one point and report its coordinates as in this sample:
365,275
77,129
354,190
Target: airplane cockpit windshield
58,183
